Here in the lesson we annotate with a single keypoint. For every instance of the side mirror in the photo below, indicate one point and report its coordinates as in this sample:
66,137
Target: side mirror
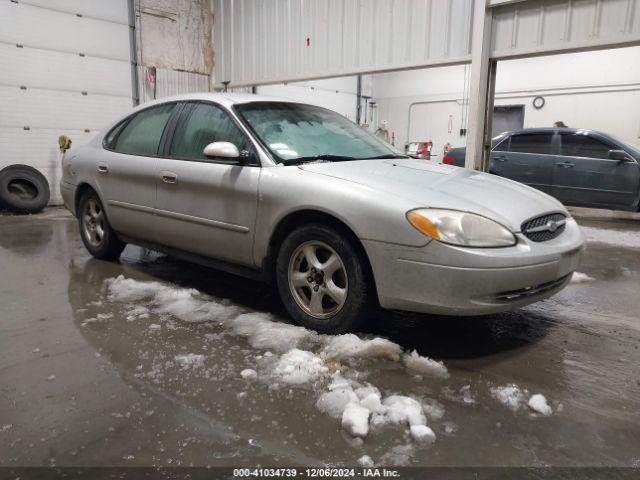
619,155
224,151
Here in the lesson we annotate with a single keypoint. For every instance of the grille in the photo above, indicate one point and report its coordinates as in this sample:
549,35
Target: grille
544,228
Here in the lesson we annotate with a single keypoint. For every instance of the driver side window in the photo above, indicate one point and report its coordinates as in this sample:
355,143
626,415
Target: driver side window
201,124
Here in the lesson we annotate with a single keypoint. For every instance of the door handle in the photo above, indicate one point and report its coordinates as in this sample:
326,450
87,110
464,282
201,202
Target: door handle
169,177
103,168
500,159
566,164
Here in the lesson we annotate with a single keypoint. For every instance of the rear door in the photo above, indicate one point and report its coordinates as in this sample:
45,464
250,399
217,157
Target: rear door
585,175
527,158
125,170
205,206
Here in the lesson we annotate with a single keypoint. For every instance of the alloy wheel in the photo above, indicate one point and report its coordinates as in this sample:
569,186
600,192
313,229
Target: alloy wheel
318,279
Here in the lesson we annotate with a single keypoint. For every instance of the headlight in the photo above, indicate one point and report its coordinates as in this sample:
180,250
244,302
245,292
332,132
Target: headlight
460,228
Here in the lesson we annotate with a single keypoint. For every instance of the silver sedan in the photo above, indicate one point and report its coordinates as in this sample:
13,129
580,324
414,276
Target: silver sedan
300,196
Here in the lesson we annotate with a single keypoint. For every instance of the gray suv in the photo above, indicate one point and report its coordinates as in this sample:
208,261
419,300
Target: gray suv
578,167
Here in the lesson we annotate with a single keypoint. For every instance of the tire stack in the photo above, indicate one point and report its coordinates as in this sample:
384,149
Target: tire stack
23,189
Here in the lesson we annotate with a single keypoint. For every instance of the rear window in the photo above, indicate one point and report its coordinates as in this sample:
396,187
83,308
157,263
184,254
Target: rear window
140,134
539,143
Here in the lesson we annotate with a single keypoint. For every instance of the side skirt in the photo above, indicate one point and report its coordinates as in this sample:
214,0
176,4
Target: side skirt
228,267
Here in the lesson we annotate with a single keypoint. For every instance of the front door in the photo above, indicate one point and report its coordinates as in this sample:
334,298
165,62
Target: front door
526,158
125,171
205,206
585,175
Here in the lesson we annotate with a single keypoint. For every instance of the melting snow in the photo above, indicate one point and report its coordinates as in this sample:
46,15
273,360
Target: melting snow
300,356
190,360
425,365
355,420
422,433
249,374
539,404
299,366
510,395
578,277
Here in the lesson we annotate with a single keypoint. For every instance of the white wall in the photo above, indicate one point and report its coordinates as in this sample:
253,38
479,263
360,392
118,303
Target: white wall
598,90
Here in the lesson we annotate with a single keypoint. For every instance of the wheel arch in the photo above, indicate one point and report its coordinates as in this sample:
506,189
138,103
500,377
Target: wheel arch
306,217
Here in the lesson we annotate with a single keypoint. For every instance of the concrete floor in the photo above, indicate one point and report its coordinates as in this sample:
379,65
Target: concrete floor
80,384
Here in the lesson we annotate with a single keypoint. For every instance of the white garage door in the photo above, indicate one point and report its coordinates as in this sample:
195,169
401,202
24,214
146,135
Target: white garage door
66,69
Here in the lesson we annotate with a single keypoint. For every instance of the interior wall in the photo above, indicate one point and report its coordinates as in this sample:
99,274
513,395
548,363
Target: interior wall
595,90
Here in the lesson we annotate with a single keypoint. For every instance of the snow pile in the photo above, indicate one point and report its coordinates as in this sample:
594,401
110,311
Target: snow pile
190,360
355,420
620,238
129,290
424,365
249,374
422,433
362,407
514,397
538,403
578,277
510,395
299,366
346,346
294,356
261,331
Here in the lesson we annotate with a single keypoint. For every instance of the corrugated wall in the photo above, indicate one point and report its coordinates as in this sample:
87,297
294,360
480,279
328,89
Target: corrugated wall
262,42
541,26
284,40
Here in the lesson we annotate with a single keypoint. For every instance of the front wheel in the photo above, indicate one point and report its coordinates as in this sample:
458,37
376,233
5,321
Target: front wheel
322,280
97,235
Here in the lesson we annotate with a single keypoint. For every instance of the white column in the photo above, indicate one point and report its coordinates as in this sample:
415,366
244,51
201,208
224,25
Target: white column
480,84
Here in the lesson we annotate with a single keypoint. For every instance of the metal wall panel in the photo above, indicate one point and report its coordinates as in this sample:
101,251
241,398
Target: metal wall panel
262,42
110,10
36,68
54,30
171,82
553,26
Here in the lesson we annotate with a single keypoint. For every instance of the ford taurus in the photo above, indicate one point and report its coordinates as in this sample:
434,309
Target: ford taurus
301,196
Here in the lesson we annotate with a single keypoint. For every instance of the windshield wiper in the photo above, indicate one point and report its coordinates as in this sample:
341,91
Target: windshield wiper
314,158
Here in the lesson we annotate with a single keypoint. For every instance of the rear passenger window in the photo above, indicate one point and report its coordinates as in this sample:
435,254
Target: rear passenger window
141,135
531,143
583,146
201,124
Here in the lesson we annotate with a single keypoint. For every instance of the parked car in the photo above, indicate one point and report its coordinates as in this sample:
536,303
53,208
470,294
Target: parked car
579,167
301,196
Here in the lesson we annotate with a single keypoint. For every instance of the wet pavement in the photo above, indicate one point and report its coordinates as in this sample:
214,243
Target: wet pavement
88,377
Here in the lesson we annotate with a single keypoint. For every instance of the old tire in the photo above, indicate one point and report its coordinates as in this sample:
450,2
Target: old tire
23,189
96,232
322,279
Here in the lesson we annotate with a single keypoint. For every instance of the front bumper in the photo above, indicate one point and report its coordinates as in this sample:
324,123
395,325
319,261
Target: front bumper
449,280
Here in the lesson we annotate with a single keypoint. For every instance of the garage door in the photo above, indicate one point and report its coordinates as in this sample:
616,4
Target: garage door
66,69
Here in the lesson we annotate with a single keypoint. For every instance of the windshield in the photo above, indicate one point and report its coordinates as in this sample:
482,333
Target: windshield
296,132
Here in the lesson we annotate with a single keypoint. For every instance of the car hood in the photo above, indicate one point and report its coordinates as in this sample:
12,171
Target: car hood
443,186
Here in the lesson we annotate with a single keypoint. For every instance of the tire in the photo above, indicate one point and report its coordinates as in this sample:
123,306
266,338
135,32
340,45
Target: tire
96,233
342,285
23,189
